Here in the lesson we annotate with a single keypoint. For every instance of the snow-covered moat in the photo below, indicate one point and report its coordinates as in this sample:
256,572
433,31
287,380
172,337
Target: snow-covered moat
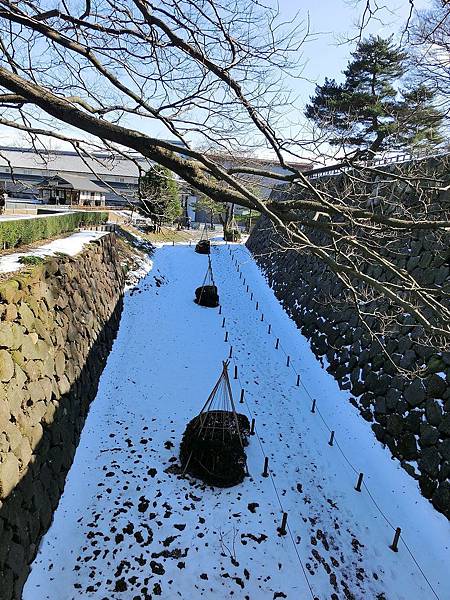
128,527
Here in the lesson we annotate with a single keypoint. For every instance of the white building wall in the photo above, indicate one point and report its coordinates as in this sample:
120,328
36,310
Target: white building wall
92,197
190,203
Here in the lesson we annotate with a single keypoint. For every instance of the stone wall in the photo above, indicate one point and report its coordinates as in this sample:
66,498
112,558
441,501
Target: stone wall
410,416
57,325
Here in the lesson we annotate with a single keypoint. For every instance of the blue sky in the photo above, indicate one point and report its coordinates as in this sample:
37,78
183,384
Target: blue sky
332,24
333,21
325,54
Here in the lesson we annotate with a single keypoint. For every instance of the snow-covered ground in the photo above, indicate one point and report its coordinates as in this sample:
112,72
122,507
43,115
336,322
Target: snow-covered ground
71,245
128,527
8,217
142,266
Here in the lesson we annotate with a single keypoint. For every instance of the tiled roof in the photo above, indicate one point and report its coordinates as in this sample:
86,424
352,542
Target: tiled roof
78,183
70,162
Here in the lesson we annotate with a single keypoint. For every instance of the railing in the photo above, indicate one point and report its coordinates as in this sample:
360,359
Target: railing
385,160
110,227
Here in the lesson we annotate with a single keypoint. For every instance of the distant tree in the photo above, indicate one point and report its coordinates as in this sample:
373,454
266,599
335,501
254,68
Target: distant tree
211,208
429,36
368,111
160,195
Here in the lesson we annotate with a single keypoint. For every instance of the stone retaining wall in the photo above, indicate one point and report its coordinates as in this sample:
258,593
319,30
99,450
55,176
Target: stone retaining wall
57,326
412,417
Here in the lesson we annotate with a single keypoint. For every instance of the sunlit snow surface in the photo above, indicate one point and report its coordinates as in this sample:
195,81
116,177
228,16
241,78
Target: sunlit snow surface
125,528
71,245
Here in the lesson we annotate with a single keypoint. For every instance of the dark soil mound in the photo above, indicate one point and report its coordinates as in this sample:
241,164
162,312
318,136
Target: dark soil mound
212,447
206,295
203,247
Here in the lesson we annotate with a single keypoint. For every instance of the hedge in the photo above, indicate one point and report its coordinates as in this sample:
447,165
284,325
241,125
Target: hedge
18,232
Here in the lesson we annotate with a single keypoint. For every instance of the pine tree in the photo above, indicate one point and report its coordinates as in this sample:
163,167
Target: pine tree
160,195
421,122
368,111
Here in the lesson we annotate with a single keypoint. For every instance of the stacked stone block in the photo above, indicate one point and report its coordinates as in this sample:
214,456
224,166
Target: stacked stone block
57,325
410,416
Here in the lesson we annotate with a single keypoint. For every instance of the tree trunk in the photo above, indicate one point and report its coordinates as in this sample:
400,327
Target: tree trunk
228,219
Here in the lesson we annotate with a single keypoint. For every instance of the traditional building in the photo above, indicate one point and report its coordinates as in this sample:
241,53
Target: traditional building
71,190
23,171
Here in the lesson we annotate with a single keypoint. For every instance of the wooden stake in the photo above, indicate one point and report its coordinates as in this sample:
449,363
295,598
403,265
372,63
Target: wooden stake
359,482
235,372
231,352
269,329
282,529
220,309
226,336
262,316
288,361
266,467
394,545
251,296
277,344
247,289
257,305
313,409
241,399
223,322
298,381
252,428
330,443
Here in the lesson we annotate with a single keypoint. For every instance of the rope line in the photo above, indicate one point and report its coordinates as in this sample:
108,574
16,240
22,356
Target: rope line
277,494
336,443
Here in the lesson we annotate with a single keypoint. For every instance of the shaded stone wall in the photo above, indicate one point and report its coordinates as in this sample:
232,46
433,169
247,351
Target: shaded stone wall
57,326
412,417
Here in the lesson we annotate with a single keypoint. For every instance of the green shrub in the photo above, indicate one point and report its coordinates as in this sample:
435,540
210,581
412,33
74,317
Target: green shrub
31,260
25,231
